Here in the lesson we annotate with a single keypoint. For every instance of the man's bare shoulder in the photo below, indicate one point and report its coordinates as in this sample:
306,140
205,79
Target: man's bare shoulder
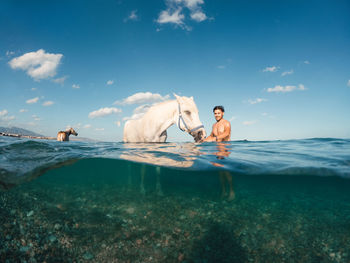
226,122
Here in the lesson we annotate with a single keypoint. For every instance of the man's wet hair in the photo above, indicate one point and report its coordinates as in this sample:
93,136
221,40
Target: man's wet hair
219,108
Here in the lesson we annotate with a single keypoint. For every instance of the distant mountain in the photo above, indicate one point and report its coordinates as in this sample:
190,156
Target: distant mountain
20,131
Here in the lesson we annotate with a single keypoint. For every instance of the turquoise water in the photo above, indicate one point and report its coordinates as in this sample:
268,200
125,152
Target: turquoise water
85,202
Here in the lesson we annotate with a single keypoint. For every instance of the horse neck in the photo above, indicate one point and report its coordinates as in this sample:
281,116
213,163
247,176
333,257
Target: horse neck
168,114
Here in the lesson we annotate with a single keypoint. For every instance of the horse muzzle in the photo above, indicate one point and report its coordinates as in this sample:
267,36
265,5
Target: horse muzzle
199,135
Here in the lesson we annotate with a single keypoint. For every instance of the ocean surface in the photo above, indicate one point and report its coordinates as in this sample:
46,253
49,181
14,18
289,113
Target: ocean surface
239,201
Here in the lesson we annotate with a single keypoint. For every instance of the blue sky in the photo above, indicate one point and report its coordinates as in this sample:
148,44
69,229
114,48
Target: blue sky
280,68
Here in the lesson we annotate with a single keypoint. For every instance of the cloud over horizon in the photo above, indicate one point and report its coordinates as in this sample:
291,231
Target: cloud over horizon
38,65
104,112
48,103
138,112
5,117
257,100
248,123
285,73
142,97
287,88
32,101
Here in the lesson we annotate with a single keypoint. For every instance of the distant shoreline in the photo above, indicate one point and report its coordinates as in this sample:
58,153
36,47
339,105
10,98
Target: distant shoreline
16,135
26,136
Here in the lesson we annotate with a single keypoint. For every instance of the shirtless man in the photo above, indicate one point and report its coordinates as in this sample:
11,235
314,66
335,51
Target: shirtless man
221,129
222,132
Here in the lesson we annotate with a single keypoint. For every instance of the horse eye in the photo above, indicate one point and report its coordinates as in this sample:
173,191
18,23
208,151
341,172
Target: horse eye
188,112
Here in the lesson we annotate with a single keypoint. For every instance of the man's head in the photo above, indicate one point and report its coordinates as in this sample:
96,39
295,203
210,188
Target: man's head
218,112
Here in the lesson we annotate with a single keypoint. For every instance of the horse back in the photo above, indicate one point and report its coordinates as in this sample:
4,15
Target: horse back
62,136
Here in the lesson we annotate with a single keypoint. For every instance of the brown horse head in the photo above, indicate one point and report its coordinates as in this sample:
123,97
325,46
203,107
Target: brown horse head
71,131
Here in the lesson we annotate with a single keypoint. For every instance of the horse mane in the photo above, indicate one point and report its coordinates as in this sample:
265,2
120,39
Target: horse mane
149,107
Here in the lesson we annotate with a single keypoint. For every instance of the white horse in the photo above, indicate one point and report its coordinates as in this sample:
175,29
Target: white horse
153,125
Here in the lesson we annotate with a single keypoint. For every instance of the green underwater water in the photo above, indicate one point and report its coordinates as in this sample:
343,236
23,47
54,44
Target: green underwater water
93,211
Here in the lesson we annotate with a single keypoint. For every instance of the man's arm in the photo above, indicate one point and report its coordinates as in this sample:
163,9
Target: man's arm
211,137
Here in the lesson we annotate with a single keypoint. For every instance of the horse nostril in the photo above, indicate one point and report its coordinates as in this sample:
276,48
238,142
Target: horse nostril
200,133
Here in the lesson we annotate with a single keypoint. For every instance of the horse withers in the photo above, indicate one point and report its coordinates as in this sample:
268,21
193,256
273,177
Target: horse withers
153,125
64,135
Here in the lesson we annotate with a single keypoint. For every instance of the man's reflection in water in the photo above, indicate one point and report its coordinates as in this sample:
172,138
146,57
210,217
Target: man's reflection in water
225,176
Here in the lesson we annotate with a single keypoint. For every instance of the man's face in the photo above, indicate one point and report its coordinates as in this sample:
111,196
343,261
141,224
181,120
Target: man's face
218,114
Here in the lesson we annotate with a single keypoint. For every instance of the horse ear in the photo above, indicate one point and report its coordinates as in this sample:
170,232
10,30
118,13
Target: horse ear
176,96
191,98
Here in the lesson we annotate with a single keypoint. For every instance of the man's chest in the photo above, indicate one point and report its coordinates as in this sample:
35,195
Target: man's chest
218,128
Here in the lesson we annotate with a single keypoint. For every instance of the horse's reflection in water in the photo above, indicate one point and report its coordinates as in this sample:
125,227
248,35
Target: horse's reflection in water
225,176
158,155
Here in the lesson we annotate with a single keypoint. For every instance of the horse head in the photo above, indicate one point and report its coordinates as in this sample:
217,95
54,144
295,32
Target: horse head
72,131
188,119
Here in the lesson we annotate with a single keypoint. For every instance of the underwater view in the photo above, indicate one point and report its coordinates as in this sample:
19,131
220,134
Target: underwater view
239,201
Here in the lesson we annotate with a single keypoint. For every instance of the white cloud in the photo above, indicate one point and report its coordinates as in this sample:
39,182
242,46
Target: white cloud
4,116
270,69
142,97
110,82
192,4
8,118
174,12
36,118
257,100
279,88
103,112
133,16
38,65
87,126
349,83
247,123
138,112
3,113
60,80
33,100
198,16
9,53
306,62
221,67
142,109
287,73
167,17
48,103
33,89
100,129
75,86
264,114
233,118
23,110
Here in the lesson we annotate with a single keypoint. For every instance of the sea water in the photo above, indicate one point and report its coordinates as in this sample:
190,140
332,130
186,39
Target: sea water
171,202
